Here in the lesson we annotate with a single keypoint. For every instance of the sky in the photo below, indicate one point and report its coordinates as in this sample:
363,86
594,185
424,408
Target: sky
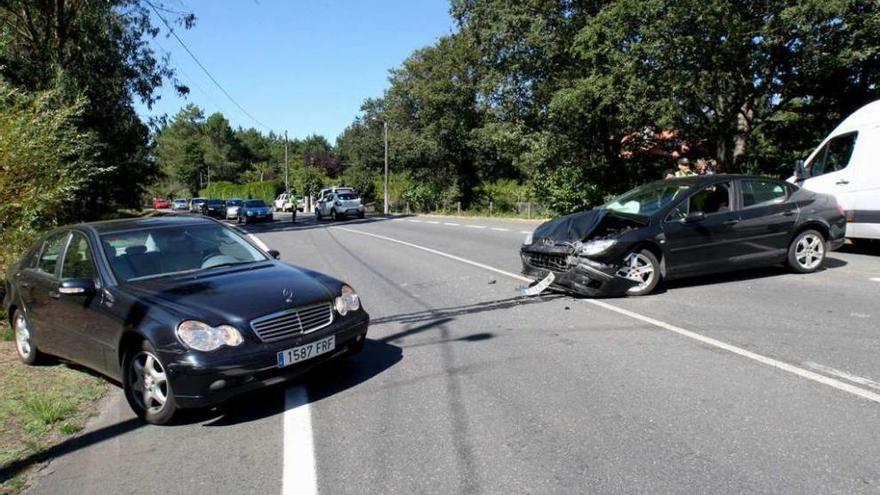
296,65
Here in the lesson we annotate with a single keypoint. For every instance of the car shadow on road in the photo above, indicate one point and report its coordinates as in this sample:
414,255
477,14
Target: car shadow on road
831,263
321,382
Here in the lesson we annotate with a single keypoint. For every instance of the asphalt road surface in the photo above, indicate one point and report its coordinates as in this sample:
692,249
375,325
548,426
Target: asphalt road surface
761,381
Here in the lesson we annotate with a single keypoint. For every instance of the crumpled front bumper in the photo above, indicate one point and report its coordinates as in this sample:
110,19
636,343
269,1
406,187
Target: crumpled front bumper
575,274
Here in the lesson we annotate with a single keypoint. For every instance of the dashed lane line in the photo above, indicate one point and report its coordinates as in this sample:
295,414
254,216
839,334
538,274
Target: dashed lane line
754,356
298,470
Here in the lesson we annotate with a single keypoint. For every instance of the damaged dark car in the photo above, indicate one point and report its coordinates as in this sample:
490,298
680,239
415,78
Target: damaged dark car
683,227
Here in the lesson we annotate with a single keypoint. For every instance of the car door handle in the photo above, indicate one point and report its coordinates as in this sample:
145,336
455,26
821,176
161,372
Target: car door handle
54,295
788,213
842,182
730,222
25,285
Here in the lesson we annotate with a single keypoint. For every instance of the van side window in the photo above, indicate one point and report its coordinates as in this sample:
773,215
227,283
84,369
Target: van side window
834,156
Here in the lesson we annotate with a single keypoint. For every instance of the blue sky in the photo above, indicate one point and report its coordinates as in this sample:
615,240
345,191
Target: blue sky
304,66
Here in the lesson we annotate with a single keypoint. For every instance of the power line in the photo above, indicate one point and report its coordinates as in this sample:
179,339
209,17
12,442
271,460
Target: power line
204,69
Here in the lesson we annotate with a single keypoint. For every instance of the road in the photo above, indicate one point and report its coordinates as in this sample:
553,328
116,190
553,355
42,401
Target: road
760,381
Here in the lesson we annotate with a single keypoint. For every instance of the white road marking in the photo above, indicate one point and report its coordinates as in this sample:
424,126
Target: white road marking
452,224
875,279
414,221
843,374
432,222
527,232
795,370
500,229
475,226
298,471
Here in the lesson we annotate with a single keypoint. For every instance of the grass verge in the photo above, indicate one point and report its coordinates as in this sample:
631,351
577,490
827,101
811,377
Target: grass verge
40,406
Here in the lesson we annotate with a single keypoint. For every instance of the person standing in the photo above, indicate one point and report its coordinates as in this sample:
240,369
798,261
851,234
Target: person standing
703,167
684,168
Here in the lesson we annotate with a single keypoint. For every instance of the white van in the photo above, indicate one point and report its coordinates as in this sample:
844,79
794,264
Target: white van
847,165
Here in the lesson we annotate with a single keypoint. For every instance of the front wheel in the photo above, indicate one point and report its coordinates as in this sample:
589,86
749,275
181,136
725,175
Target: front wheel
147,388
806,254
333,215
318,215
642,267
24,343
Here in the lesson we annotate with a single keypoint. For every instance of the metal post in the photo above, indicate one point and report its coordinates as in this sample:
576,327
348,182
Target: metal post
459,208
385,194
286,178
490,208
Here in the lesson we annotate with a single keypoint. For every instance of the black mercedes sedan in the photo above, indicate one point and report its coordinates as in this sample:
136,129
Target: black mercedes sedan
156,304
683,227
214,208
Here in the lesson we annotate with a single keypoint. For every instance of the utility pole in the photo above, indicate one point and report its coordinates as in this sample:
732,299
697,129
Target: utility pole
385,195
286,179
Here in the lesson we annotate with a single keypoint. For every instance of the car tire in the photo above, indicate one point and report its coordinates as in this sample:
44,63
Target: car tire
807,251
24,340
318,216
357,347
333,216
141,371
361,215
647,262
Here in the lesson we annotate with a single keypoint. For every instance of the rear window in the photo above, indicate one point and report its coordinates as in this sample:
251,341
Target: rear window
346,196
234,202
48,259
214,202
762,193
255,203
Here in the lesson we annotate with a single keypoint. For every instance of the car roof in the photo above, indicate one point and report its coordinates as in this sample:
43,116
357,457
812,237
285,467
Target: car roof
109,226
698,180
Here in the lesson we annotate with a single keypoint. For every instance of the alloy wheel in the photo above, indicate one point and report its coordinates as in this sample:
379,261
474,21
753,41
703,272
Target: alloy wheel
148,382
810,251
637,267
22,336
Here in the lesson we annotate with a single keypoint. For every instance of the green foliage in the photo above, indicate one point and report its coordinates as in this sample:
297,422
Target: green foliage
47,164
503,195
267,191
310,180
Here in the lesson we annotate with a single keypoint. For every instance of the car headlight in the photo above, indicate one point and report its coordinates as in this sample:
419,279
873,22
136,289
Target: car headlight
203,337
529,239
593,248
347,301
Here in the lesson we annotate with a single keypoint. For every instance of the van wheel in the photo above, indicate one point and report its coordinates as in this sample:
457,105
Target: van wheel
642,267
24,340
806,254
146,385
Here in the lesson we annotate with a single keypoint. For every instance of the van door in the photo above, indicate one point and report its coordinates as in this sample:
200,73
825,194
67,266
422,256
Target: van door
829,170
863,209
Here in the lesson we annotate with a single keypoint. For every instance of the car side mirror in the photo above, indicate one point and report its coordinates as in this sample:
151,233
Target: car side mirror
696,216
77,286
800,172
274,253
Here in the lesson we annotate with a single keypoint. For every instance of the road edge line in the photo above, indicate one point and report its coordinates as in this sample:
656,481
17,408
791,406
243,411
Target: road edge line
795,370
299,475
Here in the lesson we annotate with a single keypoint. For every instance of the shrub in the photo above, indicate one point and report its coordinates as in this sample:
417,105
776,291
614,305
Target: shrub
266,190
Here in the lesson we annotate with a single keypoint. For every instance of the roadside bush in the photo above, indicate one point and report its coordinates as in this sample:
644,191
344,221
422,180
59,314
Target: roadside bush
266,190
45,162
504,195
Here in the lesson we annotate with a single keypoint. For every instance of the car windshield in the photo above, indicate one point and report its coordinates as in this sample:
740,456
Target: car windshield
163,251
256,203
234,202
648,199
346,196
214,202
198,200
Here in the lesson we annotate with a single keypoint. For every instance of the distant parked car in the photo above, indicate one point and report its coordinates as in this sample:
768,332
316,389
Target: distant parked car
254,210
300,204
214,208
339,205
232,206
156,304
180,204
333,190
285,202
161,203
195,205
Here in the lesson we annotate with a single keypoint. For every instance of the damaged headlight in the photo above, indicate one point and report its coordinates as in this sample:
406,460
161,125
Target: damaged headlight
529,239
593,248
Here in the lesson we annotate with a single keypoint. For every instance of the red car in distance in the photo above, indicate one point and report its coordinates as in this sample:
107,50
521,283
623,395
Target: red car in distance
159,203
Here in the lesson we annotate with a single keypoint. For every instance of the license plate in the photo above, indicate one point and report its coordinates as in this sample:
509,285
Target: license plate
539,287
303,352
